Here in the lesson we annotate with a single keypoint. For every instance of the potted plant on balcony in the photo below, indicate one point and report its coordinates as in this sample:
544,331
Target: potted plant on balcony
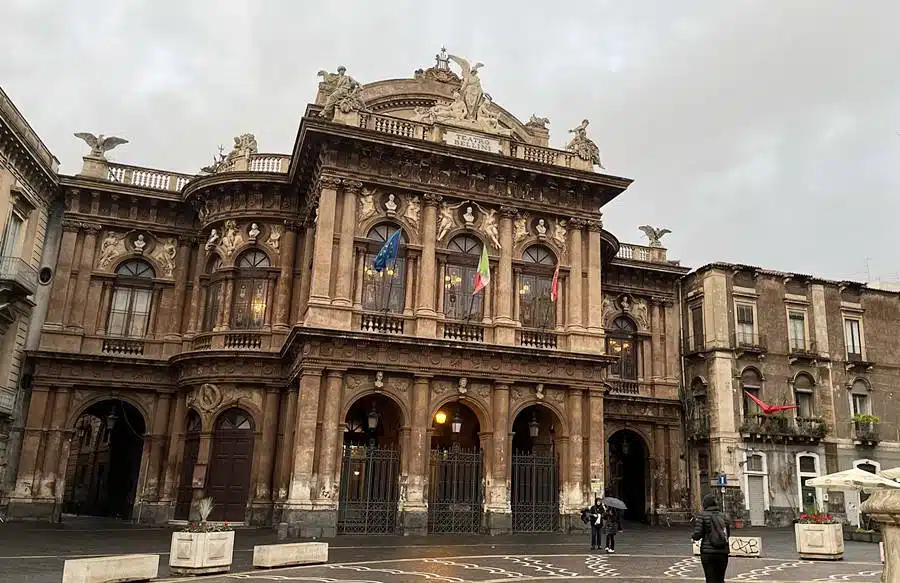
865,426
819,536
202,547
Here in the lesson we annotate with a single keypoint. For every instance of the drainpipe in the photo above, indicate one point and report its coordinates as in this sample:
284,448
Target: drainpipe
684,432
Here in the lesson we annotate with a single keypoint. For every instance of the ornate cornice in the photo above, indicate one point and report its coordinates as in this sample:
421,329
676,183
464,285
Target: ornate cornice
352,186
509,212
92,228
432,199
328,181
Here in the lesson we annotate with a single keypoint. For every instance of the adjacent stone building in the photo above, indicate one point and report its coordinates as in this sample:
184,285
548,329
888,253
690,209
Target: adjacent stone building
28,239
234,333
827,349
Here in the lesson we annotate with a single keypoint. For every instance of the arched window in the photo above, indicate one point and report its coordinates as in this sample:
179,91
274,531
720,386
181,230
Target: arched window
621,344
251,291
463,253
384,290
234,419
213,294
803,395
536,307
129,312
750,383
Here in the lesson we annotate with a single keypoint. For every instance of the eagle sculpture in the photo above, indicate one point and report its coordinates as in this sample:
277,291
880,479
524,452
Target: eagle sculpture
100,144
654,234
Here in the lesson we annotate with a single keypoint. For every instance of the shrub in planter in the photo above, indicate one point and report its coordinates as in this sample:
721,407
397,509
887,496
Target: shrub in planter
202,547
819,536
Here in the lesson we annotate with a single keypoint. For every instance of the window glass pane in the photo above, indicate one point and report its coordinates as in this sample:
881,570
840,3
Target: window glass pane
120,299
213,301
754,463
808,464
697,326
141,303
851,333
750,406
860,404
459,302
536,310
384,289
11,236
804,405
240,304
116,323
808,496
797,330
258,303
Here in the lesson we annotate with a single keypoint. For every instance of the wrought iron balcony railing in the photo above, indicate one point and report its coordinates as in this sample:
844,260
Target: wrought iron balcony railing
749,342
781,427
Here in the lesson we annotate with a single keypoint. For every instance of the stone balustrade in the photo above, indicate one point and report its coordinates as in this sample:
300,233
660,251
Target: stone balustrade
632,252
174,181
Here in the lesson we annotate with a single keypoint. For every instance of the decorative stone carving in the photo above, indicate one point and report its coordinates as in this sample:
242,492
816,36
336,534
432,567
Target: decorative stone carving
559,234
253,233
206,398
625,303
244,146
366,205
343,93
100,144
441,71
520,228
654,235
446,220
536,122
390,205
379,381
439,387
463,386
213,240
583,146
639,312
139,244
490,227
413,210
164,253
231,239
112,246
274,241
470,91
469,217
541,228
609,308
539,392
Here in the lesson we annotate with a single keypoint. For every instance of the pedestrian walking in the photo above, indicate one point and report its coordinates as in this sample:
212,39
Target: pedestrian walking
611,526
594,515
711,529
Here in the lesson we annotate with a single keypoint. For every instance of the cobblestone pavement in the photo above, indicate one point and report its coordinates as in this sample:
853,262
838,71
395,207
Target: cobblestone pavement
34,553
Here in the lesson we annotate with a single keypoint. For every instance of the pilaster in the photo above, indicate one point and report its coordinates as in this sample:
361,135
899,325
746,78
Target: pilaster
318,310
285,277
426,317
505,331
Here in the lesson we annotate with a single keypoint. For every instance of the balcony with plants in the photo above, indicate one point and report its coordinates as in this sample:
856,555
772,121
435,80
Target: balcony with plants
780,428
865,429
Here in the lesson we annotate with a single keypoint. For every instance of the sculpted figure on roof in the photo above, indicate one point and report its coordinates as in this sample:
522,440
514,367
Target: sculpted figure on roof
343,92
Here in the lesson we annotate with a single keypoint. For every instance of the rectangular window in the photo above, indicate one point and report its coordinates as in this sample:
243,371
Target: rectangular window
697,327
459,302
536,309
384,290
745,324
860,404
797,330
211,309
248,309
804,402
853,339
11,236
129,313
755,463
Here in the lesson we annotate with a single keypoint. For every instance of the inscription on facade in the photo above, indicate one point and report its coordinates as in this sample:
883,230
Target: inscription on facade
472,142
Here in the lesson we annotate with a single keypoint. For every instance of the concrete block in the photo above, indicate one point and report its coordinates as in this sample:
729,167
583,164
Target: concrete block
739,546
111,569
286,555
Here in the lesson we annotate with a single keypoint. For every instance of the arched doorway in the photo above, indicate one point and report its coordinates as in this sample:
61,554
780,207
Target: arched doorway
628,461
105,460
370,467
191,450
455,492
534,492
230,466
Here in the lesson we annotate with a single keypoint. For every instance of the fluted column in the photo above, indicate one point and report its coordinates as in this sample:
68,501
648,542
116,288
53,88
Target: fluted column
303,272
597,443
426,324
499,510
343,288
57,310
174,328
575,303
408,282
594,277
505,331
328,478
300,492
574,487
658,358
320,280
286,276
86,265
196,291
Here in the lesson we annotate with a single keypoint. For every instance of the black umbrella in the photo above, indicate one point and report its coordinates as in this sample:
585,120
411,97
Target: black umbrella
614,503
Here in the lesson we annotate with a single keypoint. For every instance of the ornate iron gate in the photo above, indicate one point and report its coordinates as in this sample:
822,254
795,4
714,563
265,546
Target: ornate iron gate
370,490
535,492
455,491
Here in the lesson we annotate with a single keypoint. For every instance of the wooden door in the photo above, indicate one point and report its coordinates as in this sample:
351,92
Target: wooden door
185,484
230,466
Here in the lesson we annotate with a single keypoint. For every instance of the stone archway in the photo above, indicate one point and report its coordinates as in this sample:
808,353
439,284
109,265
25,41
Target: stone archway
456,471
105,460
369,494
628,465
535,479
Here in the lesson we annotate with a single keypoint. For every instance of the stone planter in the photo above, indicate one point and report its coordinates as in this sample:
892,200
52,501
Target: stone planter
819,541
201,553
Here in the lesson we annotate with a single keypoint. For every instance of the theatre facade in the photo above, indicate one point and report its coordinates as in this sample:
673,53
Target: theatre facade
226,334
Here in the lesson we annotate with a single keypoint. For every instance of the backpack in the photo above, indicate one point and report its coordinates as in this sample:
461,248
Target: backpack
718,532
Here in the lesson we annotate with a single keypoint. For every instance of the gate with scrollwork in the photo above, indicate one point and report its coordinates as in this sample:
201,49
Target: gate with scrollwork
535,492
455,491
370,490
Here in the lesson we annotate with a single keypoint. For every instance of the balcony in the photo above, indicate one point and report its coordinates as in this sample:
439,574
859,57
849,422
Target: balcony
749,342
856,362
243,341
632,252
698,428
783,428
803,351
865,430
381,323
465,331
123,347
17,278
623,387
538,338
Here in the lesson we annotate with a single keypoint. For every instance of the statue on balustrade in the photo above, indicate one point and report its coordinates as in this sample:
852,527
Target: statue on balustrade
343,93
100,144
584,146
471,92
654,234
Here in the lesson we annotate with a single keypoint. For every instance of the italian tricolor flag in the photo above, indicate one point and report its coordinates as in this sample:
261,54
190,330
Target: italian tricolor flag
483,275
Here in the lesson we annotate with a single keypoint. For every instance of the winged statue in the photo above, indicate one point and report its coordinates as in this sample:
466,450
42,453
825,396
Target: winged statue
471,92
654,234
100,144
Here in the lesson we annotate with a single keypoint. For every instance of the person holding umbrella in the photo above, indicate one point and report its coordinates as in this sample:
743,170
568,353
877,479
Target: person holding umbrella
611,522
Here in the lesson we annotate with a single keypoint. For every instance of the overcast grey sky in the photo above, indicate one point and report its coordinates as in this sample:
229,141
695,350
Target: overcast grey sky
762,132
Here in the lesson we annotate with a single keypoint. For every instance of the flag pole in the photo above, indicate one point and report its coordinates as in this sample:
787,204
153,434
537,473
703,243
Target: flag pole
390,284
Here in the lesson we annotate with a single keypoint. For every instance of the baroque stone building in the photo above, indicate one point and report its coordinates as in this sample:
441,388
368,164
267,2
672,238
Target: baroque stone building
30,224
228,333
827,350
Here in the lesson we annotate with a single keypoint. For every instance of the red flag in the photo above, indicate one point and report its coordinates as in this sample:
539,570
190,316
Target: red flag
554,285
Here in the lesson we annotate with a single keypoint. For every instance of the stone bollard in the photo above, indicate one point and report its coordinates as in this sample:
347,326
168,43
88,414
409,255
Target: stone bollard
884,507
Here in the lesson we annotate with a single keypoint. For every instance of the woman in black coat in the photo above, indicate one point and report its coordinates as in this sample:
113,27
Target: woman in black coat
595,518
711,529
611,526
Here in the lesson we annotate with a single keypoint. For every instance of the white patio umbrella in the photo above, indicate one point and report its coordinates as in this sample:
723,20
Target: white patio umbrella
891,474
855,479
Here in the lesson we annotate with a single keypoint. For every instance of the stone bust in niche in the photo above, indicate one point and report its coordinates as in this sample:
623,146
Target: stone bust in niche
139,245
469,217
253,232
390,205
541,228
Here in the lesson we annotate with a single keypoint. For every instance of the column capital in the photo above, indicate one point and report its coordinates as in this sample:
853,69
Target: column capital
328,181
432,199
352,186
508,212
423,376
72,226
503,384
595,226
576,224
335,372
291,225
92,228
312,370
188,240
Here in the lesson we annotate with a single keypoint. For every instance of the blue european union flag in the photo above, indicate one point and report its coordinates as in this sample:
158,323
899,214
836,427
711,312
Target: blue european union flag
388,251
